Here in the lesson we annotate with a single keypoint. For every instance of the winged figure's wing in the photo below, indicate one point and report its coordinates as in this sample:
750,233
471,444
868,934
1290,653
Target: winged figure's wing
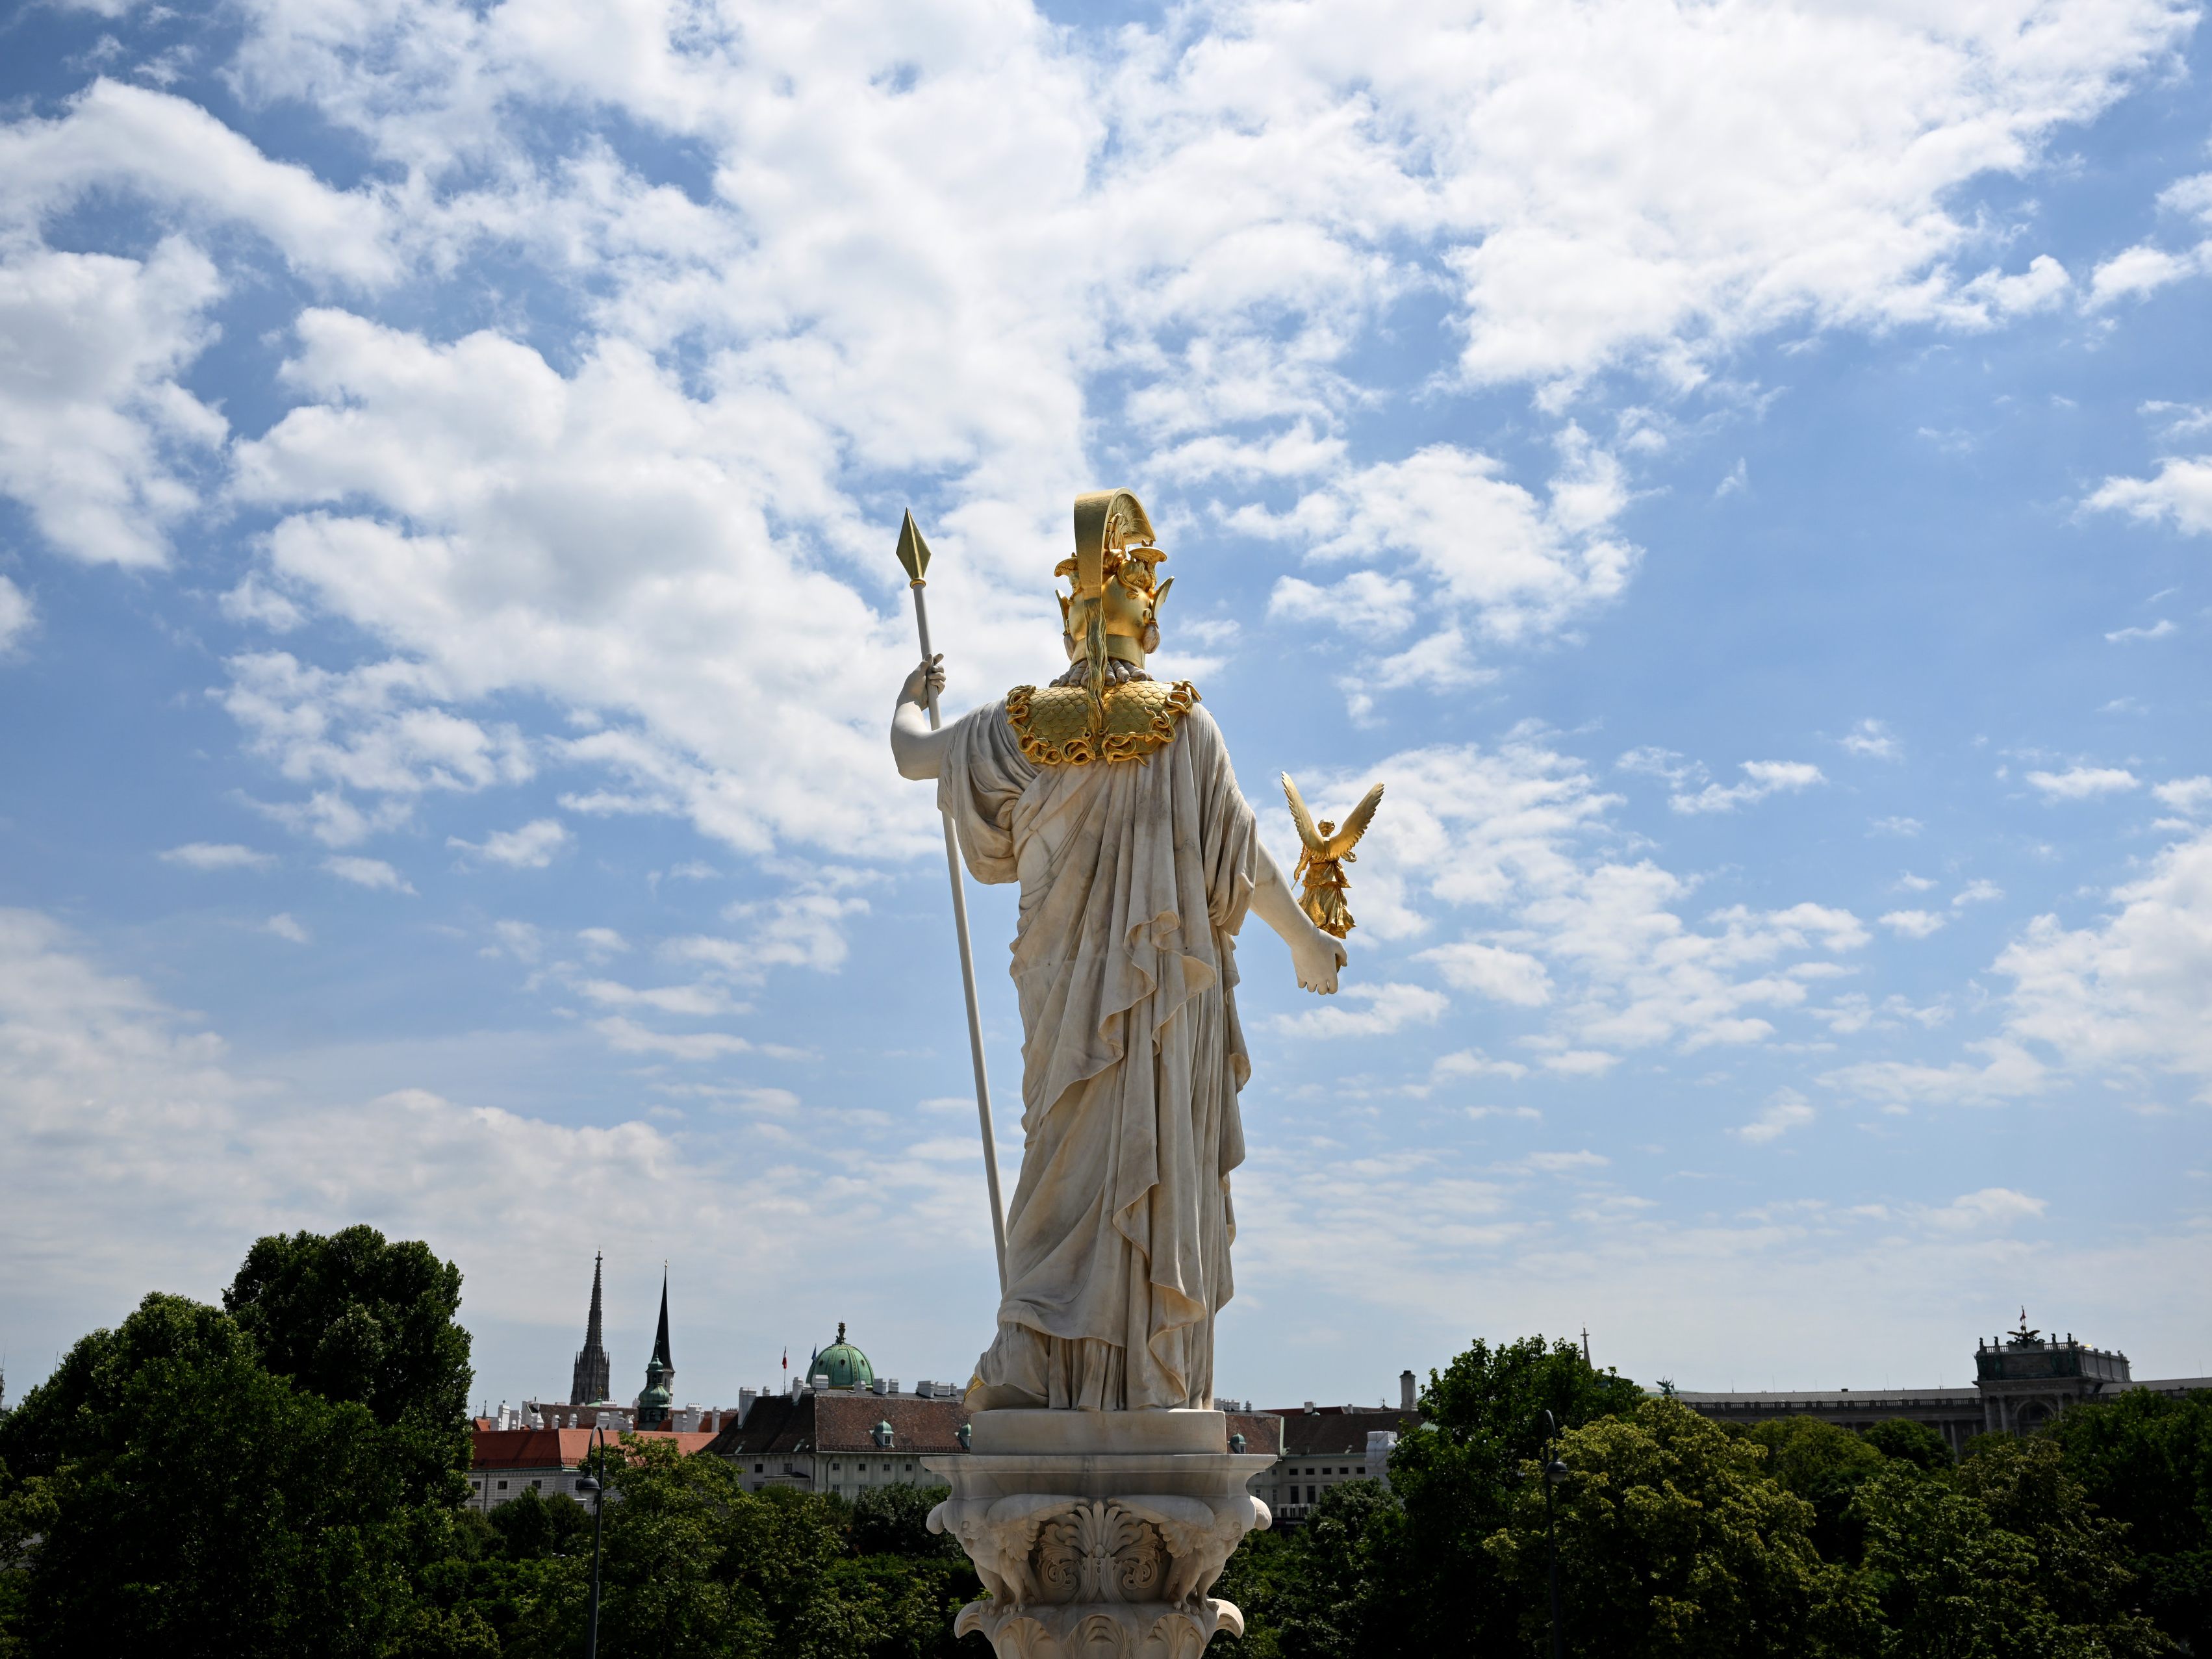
1300,816
1355,826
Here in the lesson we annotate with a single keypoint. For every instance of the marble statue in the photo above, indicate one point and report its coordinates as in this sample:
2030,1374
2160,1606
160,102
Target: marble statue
1108,796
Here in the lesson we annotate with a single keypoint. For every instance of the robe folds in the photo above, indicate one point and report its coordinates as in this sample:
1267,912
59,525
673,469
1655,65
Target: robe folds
1140,873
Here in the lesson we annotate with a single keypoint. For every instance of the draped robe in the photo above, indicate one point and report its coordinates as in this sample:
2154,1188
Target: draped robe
1136,876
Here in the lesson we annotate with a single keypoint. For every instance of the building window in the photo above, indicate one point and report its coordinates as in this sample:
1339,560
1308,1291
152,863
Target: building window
502,1486
536,1485
759,1469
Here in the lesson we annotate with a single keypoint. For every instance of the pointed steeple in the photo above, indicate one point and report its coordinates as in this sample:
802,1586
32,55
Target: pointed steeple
652,1406
660,1337
592,1380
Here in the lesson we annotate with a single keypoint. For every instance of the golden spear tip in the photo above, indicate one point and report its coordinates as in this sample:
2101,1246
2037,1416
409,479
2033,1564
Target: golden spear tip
913,552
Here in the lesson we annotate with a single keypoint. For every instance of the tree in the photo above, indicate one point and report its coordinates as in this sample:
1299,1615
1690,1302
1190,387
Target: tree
2146,1460
354,1317
198,1505
1909,1442
1337,1595
1455,1479
1674,1540
895,1521
1825,1465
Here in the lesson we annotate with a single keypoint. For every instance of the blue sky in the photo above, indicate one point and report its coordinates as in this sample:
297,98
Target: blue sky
1741,474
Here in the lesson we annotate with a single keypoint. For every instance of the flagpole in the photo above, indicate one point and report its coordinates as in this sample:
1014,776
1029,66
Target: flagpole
913,557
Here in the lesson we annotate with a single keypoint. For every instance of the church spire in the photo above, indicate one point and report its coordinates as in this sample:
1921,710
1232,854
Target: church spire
652,1406
660,1338
592,1380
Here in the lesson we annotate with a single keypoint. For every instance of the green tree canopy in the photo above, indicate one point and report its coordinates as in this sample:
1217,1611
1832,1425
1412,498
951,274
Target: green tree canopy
2146,1460
1676,1541
200,1505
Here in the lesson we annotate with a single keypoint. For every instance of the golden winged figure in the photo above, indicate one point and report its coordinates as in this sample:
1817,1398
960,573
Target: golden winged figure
1326,850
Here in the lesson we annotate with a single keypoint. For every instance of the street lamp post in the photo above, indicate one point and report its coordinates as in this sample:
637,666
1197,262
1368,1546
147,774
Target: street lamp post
591,1483
1554,1472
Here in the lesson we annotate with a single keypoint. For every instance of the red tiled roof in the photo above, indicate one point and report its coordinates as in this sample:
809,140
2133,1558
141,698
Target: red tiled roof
559,1449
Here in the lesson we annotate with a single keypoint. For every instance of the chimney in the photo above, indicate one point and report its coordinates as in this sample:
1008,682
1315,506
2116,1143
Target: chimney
1405,1391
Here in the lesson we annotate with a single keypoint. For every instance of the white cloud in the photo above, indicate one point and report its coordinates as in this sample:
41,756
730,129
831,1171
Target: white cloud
1390,1007
1786,1111
877,281
2140,269
2180,494
627,1036
2157,630
2133,990
1903,828
217,855
286,927
372,873
1976,892
97,440
2189,795
1761,779
531,847
1871,739
1520,833
2084,782
14,614
2009,1072
1493,970
1909,883
1565,1163
171,151
1515,566
1913,924
1990,1207
372,730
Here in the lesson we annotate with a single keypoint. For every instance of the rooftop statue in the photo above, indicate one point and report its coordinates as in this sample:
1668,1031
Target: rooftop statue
1107,795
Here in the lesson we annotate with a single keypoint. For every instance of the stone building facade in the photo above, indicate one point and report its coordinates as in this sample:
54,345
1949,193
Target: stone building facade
2021,1381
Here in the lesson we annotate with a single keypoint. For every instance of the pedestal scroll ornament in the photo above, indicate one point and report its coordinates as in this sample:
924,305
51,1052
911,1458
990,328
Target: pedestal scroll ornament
1099,1500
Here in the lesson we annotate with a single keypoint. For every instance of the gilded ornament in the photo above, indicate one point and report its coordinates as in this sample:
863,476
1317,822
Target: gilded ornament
1324,852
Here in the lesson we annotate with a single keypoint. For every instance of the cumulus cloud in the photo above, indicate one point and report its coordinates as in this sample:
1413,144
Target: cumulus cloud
1761,779
751,362
217,855
97,439
372,873
2134,989
1521,836
1390,1007
15,613
2157,630
531,847
1913,924
1788,1110
1487,548
2084,782
1871,739
285,927
2179,494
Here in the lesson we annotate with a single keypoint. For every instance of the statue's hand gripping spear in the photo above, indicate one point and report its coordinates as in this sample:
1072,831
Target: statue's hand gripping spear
914,558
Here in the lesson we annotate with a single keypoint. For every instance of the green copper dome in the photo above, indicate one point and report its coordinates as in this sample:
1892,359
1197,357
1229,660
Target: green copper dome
845,1365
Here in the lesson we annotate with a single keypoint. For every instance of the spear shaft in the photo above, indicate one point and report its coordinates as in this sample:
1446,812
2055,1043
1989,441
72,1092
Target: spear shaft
914,554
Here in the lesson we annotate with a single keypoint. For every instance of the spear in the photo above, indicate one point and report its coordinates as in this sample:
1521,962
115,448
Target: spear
914,558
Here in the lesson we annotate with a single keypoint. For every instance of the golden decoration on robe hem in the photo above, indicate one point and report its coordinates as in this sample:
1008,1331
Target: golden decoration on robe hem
1055,727
1326,849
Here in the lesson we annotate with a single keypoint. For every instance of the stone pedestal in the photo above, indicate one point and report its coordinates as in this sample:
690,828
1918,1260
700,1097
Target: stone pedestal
1098,1534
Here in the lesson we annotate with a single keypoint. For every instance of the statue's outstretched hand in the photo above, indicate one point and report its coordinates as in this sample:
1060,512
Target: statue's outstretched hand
1317,957
931,672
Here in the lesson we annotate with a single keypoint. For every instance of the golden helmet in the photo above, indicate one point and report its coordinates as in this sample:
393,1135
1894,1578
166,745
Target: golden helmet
1115,574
